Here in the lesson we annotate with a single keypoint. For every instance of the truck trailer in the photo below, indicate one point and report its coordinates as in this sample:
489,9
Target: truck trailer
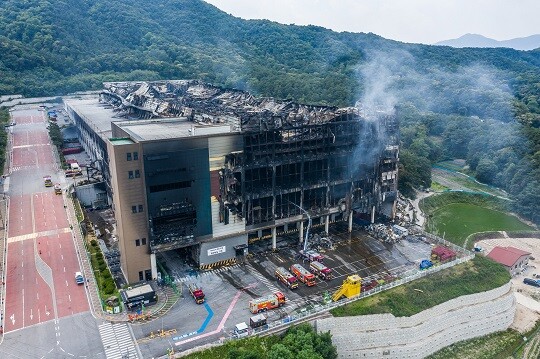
271,301
196,292
285,277
303,275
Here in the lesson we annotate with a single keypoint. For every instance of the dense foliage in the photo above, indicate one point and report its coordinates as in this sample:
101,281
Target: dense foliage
478,104
4,120
298,342
475,276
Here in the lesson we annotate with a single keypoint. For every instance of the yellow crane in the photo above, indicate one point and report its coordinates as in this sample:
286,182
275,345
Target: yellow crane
350,288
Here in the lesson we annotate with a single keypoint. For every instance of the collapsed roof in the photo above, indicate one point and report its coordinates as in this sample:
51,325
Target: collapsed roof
205,103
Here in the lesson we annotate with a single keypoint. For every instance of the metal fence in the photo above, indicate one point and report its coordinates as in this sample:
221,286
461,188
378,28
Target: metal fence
408,276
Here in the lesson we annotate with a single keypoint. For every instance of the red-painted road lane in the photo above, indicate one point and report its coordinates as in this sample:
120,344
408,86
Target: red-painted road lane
26,119
28,297
24,156
44,155
20,215
49,211
27,138
58,251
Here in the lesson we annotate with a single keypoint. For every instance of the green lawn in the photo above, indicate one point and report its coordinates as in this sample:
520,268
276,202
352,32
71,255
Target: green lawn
456,221
478,275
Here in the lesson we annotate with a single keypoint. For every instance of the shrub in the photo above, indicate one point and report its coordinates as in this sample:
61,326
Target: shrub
93,243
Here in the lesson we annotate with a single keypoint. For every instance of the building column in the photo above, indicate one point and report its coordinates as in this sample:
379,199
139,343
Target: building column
373,214
153,265
327,224
274,238
301,232
350,222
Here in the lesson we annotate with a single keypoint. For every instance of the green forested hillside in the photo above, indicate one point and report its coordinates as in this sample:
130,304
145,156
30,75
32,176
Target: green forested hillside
478,104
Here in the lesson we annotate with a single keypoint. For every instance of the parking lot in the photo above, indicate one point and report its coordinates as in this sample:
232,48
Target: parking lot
228,290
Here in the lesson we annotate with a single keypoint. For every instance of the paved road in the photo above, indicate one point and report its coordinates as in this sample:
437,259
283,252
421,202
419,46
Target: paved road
45,314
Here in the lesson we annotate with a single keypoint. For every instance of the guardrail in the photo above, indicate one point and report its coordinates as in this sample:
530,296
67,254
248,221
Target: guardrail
406,277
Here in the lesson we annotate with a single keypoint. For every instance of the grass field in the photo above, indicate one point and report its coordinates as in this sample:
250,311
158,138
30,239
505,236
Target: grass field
478,275
456,221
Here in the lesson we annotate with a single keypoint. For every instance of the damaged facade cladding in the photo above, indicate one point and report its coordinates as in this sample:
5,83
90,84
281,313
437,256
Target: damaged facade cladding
221,166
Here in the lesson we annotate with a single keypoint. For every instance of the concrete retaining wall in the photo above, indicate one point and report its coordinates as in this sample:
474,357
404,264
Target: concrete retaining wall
385,336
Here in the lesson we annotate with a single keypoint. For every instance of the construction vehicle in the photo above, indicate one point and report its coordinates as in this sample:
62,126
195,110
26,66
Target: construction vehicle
311,256
320,270
285,277
303,275
350,288
57,188
196,293
48,181
269,302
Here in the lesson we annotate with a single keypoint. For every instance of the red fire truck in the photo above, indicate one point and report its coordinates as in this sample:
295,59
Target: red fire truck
303,275
285,277
196,293
320,270
269,302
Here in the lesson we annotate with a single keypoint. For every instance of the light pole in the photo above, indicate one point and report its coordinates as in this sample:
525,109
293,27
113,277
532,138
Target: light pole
309,224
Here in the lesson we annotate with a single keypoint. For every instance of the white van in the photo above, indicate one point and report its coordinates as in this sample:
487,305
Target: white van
241,330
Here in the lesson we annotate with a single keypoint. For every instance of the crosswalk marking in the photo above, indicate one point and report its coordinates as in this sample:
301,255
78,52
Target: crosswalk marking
117,341
189,278
262,278
51,232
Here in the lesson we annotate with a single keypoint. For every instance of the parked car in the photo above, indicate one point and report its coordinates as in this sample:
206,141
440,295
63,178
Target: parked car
532,282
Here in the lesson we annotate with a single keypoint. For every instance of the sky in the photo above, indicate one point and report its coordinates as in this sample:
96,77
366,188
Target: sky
418,21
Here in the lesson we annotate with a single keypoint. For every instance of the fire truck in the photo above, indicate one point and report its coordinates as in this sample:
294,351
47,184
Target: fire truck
196,293
320,270
303,275
311,256
48,181
269,302
285,277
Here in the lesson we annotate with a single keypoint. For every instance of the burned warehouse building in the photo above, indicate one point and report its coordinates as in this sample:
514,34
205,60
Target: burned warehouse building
191,165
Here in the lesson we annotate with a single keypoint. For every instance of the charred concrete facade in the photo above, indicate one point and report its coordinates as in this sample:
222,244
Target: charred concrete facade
217,169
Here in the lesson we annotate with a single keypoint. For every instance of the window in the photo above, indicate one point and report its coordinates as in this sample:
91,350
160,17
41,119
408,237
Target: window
128,156
143,241
133,209
135,156
137,242
130,175
141,275
140,208
137,174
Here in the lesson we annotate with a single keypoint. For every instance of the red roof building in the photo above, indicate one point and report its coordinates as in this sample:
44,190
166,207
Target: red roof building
512,258
442,254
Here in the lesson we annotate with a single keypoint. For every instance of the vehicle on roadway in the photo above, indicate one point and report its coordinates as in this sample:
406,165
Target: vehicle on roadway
79,278
48,181
268,302
196,293
57,188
